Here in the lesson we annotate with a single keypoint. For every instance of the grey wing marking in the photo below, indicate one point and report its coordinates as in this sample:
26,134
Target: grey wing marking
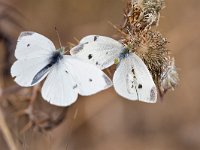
41,73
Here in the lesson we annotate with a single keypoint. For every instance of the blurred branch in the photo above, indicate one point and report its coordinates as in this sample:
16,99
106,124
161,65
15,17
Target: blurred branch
8,17
8,91
70,128
6,132
8,7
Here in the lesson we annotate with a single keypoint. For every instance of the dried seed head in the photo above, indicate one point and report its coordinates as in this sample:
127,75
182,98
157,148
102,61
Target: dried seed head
169,77
155,4
141,15
151,47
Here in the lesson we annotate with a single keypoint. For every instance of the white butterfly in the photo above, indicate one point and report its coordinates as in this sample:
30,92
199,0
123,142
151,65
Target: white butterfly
67,76
132,79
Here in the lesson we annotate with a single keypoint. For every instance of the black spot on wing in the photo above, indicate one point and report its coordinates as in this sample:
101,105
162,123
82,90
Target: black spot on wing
133,71
90,80
90,56
28,45
140,86
95,37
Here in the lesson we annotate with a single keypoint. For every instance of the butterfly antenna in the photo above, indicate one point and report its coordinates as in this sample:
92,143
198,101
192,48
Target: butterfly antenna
58,37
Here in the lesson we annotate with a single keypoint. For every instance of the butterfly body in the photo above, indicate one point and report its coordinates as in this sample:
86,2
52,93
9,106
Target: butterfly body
124,54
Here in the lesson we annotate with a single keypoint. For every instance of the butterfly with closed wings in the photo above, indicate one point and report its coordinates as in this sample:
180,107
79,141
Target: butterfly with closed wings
132,79
66,75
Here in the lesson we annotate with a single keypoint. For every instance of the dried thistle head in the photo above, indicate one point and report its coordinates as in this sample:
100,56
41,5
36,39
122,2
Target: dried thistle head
169,77
141,15
156,4
151,47
154,53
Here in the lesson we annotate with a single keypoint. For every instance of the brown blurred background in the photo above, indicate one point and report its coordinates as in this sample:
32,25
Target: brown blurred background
106,121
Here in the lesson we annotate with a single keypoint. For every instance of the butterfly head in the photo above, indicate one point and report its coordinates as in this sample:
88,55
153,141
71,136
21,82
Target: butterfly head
125,52
61,50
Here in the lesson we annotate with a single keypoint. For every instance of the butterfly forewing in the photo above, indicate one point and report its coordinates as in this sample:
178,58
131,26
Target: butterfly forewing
33,52
98,50
25,71
32,45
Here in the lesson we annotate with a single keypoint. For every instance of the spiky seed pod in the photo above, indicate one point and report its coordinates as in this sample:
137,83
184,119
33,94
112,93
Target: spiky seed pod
141,15
152,49
155,4
150,16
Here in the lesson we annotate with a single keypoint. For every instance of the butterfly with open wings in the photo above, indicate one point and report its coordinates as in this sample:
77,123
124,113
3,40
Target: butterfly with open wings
66,76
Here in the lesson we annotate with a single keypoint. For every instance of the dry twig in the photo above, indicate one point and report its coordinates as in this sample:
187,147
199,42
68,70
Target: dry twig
6,132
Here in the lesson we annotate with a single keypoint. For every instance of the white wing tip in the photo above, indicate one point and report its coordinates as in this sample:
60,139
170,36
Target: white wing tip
107,81
65,103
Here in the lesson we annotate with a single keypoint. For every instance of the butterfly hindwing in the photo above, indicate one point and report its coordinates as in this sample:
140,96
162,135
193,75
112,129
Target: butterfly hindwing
25,71
132,80
60,88
70,77
88,77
